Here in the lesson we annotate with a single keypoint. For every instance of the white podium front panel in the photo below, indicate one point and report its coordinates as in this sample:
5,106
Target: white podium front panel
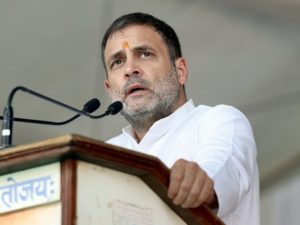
106,196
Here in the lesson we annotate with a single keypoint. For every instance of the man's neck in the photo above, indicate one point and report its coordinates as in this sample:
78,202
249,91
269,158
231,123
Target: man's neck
139,131
142,124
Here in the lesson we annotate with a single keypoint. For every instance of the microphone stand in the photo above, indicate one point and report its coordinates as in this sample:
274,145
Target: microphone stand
89,107
8,117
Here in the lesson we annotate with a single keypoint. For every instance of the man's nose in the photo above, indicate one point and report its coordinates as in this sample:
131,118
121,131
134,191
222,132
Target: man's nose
132,68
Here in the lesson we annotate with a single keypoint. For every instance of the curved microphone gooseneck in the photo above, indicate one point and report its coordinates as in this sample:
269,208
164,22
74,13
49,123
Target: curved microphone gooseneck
89,107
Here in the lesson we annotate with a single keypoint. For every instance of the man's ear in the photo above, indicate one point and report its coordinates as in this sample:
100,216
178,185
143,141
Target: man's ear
181,68
107,86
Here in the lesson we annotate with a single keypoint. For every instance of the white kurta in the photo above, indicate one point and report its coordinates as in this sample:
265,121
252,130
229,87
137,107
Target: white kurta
220,140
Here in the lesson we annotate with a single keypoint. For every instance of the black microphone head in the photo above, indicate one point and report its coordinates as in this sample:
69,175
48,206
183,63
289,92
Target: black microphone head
91,106
114,108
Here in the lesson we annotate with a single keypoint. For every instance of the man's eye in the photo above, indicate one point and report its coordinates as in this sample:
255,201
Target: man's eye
116,63
145,54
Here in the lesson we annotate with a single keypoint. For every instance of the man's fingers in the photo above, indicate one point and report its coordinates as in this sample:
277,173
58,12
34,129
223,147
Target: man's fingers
182,180
206,195
176,177
196,189
185,187
189,185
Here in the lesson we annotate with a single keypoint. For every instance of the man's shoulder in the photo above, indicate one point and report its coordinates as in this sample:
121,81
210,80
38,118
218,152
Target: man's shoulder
221,109
219,115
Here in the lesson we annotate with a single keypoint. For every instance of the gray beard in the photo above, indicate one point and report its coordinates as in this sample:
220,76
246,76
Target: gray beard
143,118
163,103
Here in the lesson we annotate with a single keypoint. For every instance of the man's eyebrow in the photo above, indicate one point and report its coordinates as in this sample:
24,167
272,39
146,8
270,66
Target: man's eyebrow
115,56
143,47
135,49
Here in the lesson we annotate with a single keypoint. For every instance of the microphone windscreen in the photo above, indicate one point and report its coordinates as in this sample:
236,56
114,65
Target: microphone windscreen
91,106
115,107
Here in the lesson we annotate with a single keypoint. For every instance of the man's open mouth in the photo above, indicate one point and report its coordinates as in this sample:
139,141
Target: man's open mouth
135,88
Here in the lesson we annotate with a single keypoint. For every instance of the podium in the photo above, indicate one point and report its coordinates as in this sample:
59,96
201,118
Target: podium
75,180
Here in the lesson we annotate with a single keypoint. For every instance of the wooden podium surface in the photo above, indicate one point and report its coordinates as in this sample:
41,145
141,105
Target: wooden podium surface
68,150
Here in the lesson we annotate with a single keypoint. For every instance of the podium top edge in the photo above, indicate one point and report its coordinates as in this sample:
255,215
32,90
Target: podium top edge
60,140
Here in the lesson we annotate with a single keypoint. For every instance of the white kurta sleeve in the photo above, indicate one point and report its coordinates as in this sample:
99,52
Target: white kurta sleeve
226,151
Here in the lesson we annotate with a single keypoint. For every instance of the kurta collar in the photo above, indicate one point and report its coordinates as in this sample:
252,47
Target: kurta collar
162,126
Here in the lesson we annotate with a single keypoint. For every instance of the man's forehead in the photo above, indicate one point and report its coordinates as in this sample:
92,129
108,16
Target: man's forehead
134,28
125,45
131,38
134,33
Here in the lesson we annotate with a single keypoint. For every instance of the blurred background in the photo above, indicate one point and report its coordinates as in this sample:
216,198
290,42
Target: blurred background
241,53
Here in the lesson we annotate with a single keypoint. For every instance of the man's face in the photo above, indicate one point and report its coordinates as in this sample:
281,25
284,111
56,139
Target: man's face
140,72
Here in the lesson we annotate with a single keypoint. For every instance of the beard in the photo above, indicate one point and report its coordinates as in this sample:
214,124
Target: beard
164,93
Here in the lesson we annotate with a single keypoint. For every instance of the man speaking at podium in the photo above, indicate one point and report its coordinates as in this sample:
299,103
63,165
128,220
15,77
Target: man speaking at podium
210,150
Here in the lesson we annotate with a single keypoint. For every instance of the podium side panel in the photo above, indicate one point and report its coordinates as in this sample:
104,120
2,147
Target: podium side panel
111,197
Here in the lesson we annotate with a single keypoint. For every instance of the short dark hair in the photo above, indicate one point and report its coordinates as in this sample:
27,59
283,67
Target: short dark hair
165,31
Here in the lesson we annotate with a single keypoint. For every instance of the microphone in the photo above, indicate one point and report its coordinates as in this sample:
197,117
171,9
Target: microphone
89,107
114,108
